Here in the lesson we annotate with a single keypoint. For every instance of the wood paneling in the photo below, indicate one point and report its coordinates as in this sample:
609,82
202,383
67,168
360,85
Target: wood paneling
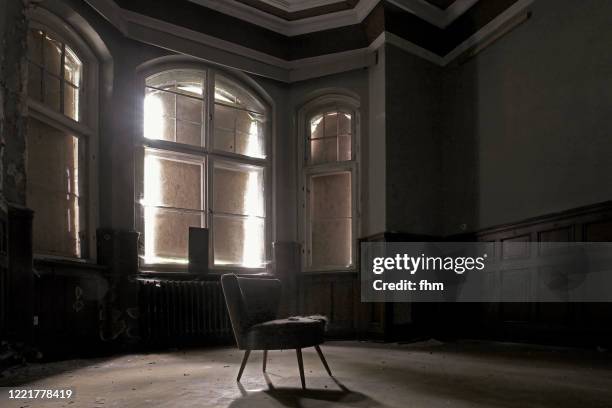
337,295
557,322
333,295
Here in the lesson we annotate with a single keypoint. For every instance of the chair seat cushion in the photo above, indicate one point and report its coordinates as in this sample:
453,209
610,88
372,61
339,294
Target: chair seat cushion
289,333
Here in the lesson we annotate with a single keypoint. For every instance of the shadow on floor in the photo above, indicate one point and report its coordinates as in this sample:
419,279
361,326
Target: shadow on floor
298,397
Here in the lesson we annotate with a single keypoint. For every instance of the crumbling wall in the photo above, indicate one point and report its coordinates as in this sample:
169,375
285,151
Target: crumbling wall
13,99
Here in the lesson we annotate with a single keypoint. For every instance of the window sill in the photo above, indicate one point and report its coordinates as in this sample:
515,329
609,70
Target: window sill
187,276
329,271
69,263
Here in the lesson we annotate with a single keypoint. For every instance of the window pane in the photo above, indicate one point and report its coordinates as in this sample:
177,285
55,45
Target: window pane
324,150
316,127
238,241
52,51
331,243
53,189
344,148
331,212
225,118
330,138
238,128
172,182
331,124
160,103
159,115
228,92
238,190
52,92
250,134
35,82
167,234
225,128
344,124
330,196
73,68
71,101
175,114
224,140
189,133
35,46
187,82
188,108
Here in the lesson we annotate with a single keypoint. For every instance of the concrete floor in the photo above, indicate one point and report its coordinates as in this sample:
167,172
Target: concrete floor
427,374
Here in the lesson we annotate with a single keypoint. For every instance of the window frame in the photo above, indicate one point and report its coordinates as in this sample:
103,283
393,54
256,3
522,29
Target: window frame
86,129
306,170
210,156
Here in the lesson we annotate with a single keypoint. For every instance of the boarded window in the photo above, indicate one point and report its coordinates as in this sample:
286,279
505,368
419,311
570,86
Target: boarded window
53,190
173,202
54,74
174,107
238,215
330,220
239,120
176,111
330,138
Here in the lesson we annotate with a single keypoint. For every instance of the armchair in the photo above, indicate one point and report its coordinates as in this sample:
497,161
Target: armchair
253,304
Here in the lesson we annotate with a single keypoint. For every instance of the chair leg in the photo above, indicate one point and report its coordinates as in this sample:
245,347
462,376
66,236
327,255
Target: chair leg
301,366
244,361
322,357
265,358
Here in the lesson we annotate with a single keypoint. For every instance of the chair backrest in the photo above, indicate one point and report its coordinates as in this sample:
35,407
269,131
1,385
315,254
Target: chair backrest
250,301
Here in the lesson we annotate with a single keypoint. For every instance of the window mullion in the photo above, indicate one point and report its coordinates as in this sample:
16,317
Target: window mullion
62,75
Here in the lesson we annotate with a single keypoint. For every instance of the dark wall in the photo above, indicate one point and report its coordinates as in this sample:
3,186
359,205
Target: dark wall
413,150
13,109
526,123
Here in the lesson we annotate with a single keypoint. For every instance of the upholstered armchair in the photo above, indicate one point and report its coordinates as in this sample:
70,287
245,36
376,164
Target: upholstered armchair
253,304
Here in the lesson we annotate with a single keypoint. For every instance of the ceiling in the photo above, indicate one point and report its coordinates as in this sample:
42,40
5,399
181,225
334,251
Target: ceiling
443,4
292,10
294,17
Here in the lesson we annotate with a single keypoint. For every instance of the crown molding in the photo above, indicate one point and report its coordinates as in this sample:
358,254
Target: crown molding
296,5
291,28
432,14
218,51
421,8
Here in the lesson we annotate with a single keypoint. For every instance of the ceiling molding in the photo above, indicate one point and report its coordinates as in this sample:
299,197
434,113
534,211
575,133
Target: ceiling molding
432,14
421,8
186,41
291,6
291,28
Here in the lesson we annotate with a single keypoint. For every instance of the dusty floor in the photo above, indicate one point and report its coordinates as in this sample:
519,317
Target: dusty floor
428,374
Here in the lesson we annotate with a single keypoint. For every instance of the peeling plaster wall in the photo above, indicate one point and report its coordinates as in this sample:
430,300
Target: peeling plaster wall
13,108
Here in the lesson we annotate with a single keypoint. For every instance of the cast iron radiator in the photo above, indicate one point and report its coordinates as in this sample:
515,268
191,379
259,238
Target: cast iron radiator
183,313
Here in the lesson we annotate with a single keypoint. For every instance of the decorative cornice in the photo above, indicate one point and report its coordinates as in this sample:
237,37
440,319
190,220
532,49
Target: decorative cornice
197,44
291,28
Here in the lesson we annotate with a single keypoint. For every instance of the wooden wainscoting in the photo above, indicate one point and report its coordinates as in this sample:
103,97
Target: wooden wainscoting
559,323
337,295
333,294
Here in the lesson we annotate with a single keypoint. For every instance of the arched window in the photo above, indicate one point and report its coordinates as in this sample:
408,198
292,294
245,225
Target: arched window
205,165
61,137
329,128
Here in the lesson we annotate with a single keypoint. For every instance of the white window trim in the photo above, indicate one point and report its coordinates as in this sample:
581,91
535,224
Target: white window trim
210,156
325,103
86,128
